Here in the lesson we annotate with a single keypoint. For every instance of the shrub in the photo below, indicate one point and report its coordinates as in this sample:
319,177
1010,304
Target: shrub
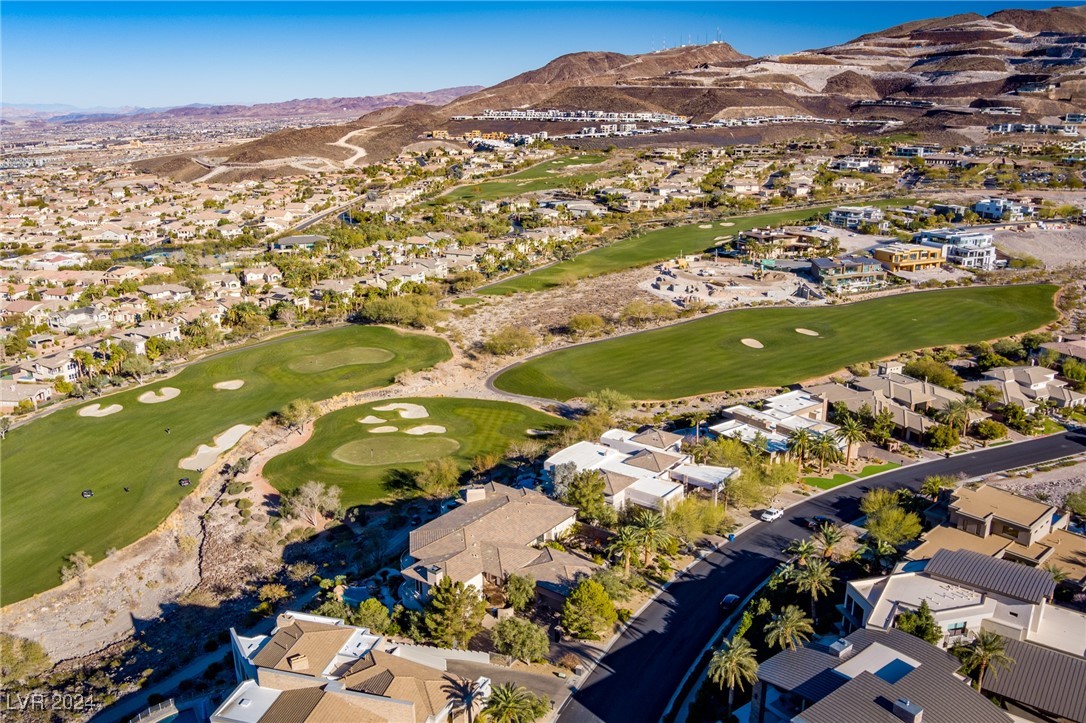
510,340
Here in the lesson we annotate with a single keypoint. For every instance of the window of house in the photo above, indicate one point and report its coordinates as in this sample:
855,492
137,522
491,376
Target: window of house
955,629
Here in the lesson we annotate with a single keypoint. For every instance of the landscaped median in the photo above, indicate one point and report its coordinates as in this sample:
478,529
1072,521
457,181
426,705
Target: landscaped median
129,456
710,355
650,247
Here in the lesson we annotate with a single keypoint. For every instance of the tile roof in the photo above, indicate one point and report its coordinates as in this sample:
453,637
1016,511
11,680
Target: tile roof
656,438
318,642
652,461
991,574
982,500
1042,678
391,676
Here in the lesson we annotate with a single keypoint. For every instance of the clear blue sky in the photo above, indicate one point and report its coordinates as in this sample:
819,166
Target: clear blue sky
151,53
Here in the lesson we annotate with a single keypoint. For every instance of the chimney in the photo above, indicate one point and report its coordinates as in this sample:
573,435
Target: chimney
908,711
298,662
474,494
841,648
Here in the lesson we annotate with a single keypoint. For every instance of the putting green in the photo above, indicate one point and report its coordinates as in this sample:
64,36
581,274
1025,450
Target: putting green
340,358
708,355
388,450
47,463
343,453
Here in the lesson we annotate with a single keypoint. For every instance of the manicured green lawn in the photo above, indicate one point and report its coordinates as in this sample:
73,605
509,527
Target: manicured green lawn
707,355
47,463
828,483
647,248
873,469
542,177
344,452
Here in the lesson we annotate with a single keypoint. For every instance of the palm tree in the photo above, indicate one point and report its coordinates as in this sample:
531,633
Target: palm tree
625,544
827,537
802,550
510,703
651,532
987,651
466,695
1058,573
734,665
815,580
851,431
696,418
800,444
970,407
933,485
789,628
954,413
825,448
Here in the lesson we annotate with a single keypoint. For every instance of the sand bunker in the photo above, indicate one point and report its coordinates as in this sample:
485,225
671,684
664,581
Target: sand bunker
752,343
370,420
206,455
383,430
726,224
230,385
808,332
164,394
705,225
426,429
407,411
97,410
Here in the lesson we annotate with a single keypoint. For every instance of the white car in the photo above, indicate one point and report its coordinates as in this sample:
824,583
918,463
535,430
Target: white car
772,514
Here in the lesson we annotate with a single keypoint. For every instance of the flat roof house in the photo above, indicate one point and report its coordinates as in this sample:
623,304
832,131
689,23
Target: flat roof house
852,217
897,257
848,272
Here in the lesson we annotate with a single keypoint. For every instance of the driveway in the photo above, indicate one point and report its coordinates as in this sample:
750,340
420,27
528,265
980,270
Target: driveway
639,674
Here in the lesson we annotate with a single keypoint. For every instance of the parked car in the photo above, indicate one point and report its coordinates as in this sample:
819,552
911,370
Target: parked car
818,520
729,602
772,514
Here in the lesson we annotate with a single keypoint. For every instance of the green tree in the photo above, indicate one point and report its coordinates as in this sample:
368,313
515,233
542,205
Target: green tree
298,413
1075,501
815,579
510,703
920,623
520,591
587,492
987,652
827,537
510,340
521,639
788,629
826,450
136,367
931,370
894,526
607,401
934,484
372,614
312,502
801,444
21,660
581,325
943,436
588,611
989,430
438,478
734,666
455,613
5,426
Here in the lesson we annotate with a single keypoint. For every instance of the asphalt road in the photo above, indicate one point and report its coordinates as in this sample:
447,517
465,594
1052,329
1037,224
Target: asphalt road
636,678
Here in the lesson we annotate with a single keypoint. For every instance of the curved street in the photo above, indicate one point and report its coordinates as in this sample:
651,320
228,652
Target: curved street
644,667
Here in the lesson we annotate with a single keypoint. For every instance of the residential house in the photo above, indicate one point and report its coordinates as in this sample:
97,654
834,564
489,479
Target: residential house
83,318
293,244
778,418
852,217
968,591
228,284
883,676
1001,209
262,275
848,272
166,292
54,366
494,532
636,467
12,393
315,669
1028,387
1073,347
848,184
898,257
962,247
998,523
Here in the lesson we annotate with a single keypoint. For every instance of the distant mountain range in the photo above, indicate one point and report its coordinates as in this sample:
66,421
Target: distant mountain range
932,75
307,107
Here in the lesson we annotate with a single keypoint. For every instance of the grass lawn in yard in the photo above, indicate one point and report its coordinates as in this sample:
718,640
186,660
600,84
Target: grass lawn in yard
647,248
828,483
708,355
352,451
542,177
47,463
873,469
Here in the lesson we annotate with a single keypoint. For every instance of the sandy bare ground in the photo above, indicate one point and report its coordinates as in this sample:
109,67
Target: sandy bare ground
806,332
1053,484
97,410
406,410
371,420
1058,245
205,454
752,343
425,429
383,430
164,394
230,386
